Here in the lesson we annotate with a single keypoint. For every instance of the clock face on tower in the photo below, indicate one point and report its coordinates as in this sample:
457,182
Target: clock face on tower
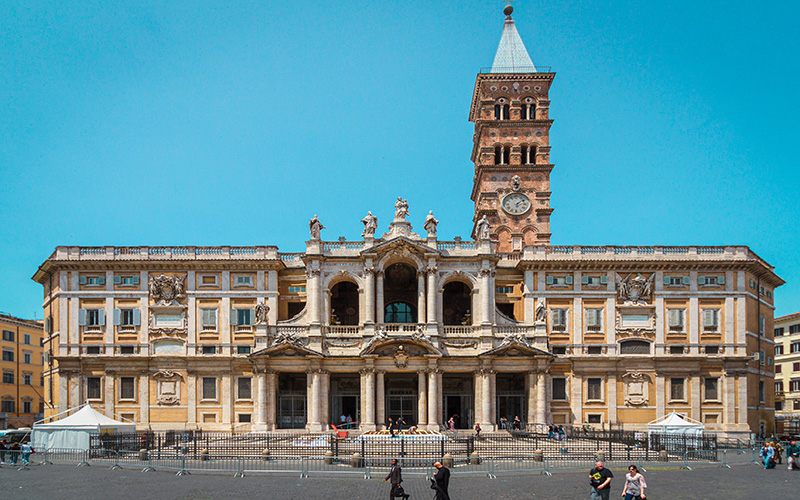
516,204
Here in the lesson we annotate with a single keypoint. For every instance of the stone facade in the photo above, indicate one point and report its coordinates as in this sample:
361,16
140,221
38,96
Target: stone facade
21,365
787,371
402,324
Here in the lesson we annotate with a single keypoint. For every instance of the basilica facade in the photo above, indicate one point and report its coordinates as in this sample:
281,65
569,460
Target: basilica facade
401,324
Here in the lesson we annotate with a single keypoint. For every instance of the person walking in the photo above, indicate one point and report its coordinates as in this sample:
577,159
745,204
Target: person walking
440,482
634,484
395,477
793,455
25,452
390,426
768,454
600,481
477,430
3,448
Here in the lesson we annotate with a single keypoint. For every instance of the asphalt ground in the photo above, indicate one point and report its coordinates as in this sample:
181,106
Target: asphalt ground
69,482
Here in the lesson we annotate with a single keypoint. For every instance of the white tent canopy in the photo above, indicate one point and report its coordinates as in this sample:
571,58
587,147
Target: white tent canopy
676,425
74,431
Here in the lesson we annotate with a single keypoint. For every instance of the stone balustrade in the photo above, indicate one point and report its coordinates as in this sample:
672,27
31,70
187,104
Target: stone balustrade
167,253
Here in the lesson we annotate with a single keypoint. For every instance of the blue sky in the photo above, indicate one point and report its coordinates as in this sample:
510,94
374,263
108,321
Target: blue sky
207,123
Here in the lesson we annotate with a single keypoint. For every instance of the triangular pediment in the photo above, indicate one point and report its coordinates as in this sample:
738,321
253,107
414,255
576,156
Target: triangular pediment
515,349
401,244
287,349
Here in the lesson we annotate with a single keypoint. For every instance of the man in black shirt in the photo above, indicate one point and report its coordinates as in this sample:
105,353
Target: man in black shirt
441,481
600,481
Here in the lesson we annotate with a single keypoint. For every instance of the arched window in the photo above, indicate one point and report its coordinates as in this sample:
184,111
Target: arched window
344,304
399,312
528,111
501,155
506,154
501,110
528,154
457,303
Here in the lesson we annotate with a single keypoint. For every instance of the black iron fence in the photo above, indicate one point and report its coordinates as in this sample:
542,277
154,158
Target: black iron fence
577,442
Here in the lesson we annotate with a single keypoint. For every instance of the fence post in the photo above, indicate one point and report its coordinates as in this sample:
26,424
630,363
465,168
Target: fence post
304,467
240,468
85,461
686,461
149,467
725,459
183,471
46,461
116,461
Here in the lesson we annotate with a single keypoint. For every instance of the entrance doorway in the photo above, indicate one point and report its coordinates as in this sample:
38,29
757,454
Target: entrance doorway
401,398
291,401
457,393
345,399
511,399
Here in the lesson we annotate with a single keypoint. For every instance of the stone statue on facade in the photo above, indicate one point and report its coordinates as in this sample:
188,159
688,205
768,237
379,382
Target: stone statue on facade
430,224
370,224
315,227
400,209
541,311
288,338
262,313
420,335
515,337
482,229
380,336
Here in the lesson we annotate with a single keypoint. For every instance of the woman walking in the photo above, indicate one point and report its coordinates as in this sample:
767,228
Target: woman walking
634,484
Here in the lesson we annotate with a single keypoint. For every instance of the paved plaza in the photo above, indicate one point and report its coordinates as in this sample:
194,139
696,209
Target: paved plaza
67,482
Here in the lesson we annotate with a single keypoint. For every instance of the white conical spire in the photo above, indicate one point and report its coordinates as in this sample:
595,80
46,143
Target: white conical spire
511,56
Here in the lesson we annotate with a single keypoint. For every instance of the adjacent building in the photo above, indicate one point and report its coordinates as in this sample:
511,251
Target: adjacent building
787,372
404,324
22,387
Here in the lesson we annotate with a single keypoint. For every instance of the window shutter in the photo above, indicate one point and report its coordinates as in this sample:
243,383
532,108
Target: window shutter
584,280
685,280
549,280
82,317
101,317
604,279
666,280
117,280
568,279
116,316
135,279
234,316
752,284
137,317
252,316
554,317
721,279
82,280
701,280
101,280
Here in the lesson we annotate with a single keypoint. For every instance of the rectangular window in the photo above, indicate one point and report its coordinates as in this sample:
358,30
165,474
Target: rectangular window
710,320
676,389
779,386
126,317
594,418
93,388
559,350
795,347
209,388
762,391
504,289
243,349
7,406
127,349
129,280
676,349
8,355
778,349
594,319
243,317
93,349
594,349
675,280
27,379
712,349
675,317
243,388
244,418
26,358
594,280
127,388
208,280
762,325
778,332
794,328
710,385
778,368
209,319
27,407
794,385
209,349
559,280
594,389
297,289
26,339
559,319
8,378
8,335
559,389
243,281
92,317
796,404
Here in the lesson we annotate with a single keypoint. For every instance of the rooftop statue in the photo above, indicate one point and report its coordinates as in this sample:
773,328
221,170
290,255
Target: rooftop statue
315,227
400,209
370,224
482,229
430,224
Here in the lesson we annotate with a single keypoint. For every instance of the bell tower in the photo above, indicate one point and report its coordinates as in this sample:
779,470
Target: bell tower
511,151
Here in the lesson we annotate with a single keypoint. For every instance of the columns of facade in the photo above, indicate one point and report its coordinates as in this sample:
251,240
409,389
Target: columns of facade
694,321
434,395
660,326
368,396
612,398
529,299
661,380
272,399
492,399
144,327
261,398
486,285
324,394
477,384
741,382
541,398
486,397
576,398
227,398
577,323
63,391
144,397
191,323
422,401
729,331
108,396
432,293
224,325
369,293
695,382
421,316
380,400
314,295
728,399
379,306
75,389
312,400
326,307
530,394
191,397
109,333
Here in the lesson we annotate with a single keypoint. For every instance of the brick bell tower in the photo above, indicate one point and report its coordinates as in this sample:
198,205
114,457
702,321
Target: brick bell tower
511,151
